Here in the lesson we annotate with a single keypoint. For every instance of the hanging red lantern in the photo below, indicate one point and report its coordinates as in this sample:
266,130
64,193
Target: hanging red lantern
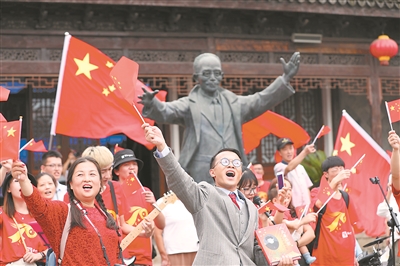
383,48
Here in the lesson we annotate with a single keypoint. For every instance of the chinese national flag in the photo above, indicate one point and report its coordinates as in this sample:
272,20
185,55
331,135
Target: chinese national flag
351,143
87,103
269,206
130,185
36,146
2,118
9,140
325,191
4,93
269,122
300,210
325,130
124,75
394,110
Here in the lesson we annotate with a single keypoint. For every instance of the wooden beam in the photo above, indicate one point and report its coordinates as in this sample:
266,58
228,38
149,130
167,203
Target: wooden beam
242,69
327,8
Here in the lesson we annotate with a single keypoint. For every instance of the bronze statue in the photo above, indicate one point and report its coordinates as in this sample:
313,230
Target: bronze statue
213,116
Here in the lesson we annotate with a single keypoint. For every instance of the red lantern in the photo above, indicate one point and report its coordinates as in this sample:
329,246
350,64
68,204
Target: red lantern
383,48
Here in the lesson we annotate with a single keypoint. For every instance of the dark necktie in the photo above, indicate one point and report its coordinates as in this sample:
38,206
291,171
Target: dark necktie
218,114
233,198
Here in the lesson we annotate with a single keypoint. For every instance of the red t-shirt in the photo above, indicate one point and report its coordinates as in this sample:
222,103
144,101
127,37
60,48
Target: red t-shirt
12,247
83,245
336,243
141,246
120,197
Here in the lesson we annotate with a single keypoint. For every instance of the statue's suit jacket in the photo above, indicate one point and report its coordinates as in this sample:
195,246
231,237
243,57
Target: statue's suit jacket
216,219
187,112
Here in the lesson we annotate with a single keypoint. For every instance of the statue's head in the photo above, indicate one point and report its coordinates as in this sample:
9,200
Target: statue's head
207,72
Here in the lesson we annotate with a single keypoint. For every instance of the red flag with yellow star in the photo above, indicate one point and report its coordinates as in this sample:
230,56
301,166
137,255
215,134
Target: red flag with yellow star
394,110
325,191
351,144
10,136
87,103
130,185
124,75
36,146
269,206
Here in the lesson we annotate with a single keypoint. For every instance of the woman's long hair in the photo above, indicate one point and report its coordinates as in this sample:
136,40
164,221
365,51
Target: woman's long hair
76,214
8,205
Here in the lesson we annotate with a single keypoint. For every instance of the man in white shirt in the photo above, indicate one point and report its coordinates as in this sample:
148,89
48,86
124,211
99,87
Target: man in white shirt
294,171
52,164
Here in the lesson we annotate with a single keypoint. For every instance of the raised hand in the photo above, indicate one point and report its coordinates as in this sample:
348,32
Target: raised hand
290,68
394,140
19,171
147,96
7,165
154,135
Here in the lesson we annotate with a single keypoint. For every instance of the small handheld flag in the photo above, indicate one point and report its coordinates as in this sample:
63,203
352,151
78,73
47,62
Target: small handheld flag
393,111
322,132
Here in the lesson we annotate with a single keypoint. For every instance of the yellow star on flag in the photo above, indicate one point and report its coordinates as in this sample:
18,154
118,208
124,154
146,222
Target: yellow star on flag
335,153
392,108
346,144
111,88
11,132
105,92
109,64
84,66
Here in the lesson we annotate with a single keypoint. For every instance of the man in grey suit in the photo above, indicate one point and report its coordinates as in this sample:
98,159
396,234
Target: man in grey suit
213,116
224,218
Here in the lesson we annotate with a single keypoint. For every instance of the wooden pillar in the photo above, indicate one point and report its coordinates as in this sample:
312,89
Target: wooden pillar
375,99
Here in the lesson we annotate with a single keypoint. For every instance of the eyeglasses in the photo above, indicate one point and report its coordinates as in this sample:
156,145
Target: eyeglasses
235,162
248,190
54,165
208,73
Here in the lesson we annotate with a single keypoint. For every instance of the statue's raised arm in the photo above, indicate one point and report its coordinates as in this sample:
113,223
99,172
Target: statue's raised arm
147,96
290,68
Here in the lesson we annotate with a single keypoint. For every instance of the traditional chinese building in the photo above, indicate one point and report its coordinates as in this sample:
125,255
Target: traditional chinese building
164,36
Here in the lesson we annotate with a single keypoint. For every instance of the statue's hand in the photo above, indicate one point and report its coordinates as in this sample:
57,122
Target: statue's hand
147,96
290,68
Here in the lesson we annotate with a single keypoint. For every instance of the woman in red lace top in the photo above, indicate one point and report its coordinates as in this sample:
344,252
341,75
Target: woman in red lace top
83,246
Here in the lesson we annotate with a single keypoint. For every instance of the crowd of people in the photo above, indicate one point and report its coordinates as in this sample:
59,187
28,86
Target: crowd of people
88,220
84,223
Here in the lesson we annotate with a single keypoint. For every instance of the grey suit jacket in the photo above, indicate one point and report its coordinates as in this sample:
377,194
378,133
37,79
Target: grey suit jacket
215,218
186,112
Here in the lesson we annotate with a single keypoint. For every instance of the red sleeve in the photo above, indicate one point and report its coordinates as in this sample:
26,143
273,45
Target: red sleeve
51,216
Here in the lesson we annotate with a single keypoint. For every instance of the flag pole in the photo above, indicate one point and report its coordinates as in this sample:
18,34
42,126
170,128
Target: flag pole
359,160
139,181
140,115
20,129
250,164
326,202
388,113
54,120
23,147
319,133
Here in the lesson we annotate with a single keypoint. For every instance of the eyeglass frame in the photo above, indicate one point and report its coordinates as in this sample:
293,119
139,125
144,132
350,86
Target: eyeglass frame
212,72
229,162
249,190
